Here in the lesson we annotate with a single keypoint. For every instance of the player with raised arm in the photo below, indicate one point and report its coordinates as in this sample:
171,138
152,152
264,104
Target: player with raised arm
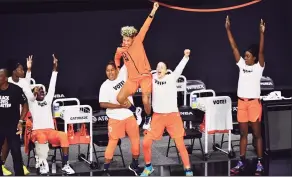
249,109
43,131
166,114
121,119
138,67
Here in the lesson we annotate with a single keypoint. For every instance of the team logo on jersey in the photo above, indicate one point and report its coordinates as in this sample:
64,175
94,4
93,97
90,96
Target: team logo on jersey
42,103
160,82
220,101
247,71
119,85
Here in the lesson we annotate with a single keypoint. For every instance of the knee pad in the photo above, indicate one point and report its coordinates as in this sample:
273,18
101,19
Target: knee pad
41,151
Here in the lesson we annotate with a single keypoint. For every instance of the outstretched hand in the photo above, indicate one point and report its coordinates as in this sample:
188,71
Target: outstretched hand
155,6
187,52
262,26
29,62
55,61
227,23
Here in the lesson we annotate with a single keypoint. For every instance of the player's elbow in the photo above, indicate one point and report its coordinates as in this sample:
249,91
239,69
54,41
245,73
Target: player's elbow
102,105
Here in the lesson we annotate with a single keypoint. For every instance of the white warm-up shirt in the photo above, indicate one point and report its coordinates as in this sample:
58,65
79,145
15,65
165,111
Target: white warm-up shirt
108,93
41,111
249,82
164,91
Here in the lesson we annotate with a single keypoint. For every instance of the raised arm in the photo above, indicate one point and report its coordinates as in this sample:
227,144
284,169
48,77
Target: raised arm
28,93
28,65
180,67
52,86
118,56
261,49
142,33
231,40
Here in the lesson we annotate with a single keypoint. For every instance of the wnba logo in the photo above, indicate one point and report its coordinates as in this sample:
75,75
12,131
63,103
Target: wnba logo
181,5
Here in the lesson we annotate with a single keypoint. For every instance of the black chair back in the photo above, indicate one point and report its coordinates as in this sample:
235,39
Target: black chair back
194,115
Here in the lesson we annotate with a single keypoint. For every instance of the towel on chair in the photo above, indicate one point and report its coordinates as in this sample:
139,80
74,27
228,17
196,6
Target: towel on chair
218,113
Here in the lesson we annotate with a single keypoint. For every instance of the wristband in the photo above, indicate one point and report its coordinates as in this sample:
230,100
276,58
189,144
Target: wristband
150,16
21,121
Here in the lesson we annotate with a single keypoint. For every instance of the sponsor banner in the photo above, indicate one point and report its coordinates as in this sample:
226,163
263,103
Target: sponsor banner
267,83
193,85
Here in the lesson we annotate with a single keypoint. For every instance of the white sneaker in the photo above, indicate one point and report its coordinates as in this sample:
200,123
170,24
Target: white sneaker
138,115
68,169
146,125
44,167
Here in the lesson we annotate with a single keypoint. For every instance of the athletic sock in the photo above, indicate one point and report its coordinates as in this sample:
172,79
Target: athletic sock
65,159
106,166
242,159
135,163
148,165
260,160
132,108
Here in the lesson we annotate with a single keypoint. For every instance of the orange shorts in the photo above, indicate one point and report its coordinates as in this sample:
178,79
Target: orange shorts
118,128
249,110
54,137
171,121
144,81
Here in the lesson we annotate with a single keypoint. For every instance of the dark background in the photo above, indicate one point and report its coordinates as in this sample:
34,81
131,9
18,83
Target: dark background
84,36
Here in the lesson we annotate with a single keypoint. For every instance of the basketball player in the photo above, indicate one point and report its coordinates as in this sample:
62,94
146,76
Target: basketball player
17,79
166,114
137,64
121,119
251,69
11,96
43,126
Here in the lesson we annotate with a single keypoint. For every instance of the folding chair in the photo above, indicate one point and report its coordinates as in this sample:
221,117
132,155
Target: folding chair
100,136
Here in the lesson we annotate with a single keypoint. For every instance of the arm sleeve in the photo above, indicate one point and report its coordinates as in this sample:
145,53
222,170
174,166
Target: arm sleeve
180,67
52,87
240,63
118,56
28,77
103,94
144,29
28,93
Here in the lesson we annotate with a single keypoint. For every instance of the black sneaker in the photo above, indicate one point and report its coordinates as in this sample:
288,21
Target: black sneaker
146,125
259,170
105,173
134,169
237,169
137,114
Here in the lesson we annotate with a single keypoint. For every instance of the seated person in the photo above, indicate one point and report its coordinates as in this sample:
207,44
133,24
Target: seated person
43,131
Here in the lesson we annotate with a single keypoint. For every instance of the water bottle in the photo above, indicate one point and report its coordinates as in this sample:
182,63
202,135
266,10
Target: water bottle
54,167
56,108
194,101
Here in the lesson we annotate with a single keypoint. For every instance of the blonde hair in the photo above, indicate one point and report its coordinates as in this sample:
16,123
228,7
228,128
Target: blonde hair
129,31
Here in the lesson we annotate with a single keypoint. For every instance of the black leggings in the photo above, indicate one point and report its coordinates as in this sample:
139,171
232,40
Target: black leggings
14,145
